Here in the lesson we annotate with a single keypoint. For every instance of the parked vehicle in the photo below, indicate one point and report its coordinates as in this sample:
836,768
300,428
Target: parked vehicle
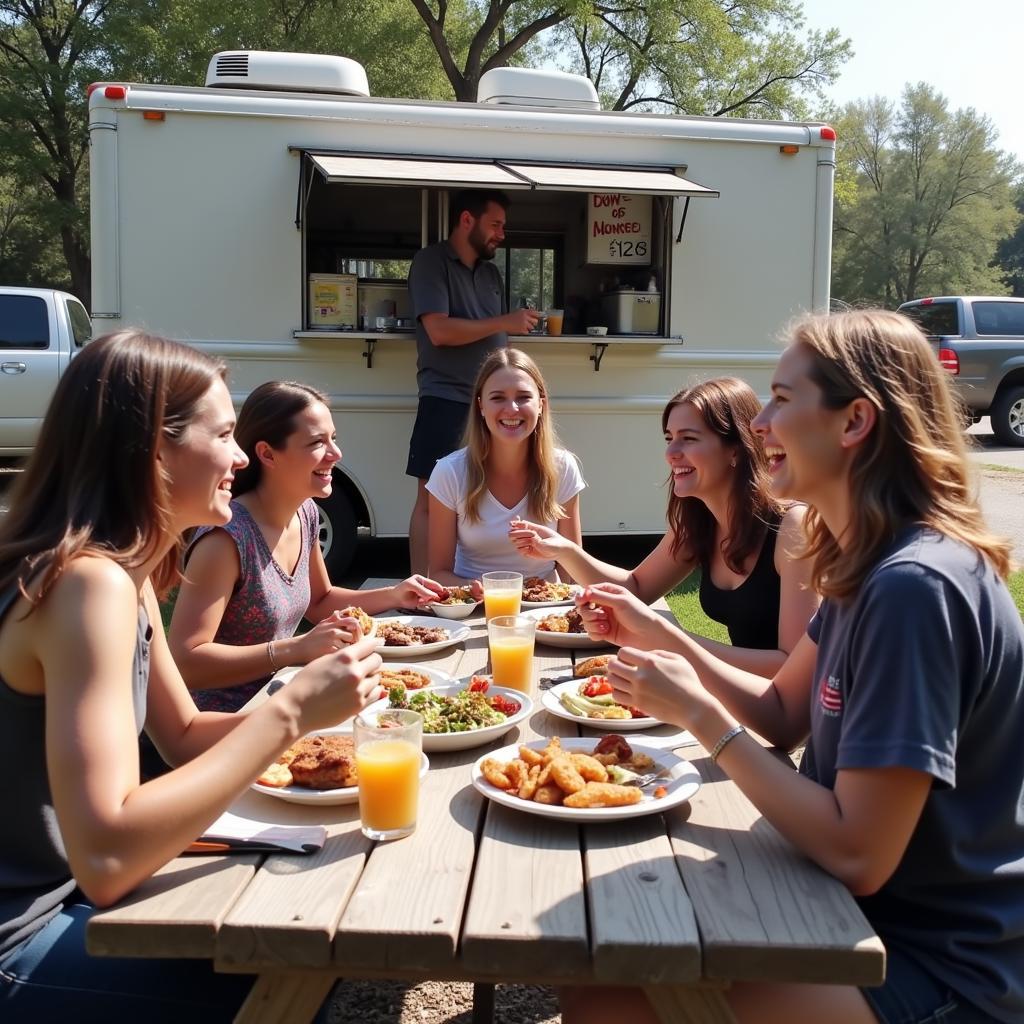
980,340
40,330
270,218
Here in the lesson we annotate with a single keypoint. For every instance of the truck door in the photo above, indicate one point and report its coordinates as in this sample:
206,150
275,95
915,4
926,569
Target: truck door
30,364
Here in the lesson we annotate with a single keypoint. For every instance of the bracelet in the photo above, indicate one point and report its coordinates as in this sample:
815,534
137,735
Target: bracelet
726,739
270,656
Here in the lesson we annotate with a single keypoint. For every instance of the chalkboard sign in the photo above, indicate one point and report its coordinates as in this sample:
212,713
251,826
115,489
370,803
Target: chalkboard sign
618,228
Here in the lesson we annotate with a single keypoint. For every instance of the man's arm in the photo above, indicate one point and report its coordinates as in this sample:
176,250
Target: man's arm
444,330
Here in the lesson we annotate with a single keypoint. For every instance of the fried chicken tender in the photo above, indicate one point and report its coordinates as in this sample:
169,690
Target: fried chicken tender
531,756
494,772
596,666
566,776
518,772
603,794
528,787
549,794
589,768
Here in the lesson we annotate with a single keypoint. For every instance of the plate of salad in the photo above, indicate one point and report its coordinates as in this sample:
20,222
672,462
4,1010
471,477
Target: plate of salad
590,701
461,715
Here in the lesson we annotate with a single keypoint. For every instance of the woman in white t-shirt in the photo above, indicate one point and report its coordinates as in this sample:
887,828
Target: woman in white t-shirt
511,467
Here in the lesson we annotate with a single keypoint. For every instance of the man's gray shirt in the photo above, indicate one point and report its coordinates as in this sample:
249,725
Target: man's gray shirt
439,282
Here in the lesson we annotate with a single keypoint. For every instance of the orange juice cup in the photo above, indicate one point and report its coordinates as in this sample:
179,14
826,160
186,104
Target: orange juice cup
388,762
555,317
503,593
510,639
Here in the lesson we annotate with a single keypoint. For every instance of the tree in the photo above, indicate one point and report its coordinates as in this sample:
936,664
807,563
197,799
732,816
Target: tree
932,198
1010,254
694,56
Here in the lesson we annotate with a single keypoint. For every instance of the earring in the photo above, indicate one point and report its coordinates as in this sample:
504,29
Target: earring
733,463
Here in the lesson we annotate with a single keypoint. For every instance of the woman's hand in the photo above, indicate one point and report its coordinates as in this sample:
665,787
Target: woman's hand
416,591
335,686
610,612
662,683
535,541
328,635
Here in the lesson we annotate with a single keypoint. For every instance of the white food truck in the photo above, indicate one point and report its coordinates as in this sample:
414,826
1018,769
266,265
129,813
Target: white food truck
270,217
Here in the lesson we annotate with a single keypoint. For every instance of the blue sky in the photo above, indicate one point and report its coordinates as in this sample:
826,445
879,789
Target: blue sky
973,53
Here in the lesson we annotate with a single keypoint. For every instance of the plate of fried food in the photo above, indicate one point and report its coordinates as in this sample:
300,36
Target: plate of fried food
459,604
461,715
400,636
413,677
563,628
590,700
319,769
574,779
538,593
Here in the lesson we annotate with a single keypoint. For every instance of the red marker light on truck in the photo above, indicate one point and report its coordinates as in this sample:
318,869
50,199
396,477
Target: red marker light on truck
115,92
828,133
949,360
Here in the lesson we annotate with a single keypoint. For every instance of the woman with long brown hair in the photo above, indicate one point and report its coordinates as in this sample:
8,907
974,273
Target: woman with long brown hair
723,521
908,684
249,583
511,466
137,446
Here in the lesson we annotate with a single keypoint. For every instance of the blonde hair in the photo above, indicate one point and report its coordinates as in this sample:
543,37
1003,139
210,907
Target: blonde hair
543,472
913,468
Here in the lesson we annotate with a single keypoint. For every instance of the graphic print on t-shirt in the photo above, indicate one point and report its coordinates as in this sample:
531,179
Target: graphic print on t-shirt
830,697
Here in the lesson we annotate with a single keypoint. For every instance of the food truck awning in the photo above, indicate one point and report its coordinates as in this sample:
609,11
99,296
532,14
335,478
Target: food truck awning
384,169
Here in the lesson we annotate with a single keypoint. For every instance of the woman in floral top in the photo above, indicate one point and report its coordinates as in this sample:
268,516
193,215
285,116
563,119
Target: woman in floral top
250,582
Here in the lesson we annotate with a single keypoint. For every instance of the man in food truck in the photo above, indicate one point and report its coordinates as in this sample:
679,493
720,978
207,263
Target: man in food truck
458,300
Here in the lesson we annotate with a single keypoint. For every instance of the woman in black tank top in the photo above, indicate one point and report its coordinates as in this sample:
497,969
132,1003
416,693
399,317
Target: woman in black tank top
722,521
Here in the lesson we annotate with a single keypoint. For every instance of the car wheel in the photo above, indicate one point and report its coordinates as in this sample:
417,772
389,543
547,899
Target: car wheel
338,532
1008,416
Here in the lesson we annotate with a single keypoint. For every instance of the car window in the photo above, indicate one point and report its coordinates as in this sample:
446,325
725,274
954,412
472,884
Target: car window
993,317
24,322
81,325
935,318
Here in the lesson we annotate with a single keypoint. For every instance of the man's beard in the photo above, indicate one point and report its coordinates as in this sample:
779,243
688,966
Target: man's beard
480,247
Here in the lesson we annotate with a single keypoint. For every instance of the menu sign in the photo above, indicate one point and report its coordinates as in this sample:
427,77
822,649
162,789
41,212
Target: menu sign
618,228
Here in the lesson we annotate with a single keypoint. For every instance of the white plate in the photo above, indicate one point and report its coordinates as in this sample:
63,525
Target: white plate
552,703
575,641
684,782
446,741
456,634
553,604
435,675
302,795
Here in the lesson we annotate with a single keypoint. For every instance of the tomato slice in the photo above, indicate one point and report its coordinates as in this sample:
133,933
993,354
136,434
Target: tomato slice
479,684
637,713
596,686
505,705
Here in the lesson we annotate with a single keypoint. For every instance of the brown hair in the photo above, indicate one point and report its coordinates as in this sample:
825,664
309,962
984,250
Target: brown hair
913,468
268,414
543,482
93,483
726,405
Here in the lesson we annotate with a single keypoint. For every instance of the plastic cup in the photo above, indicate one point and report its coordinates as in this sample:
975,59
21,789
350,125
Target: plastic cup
388,758
503,593
510,639
555,317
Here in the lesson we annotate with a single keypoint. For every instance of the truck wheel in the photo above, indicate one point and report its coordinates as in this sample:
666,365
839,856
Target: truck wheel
1008,416
338,532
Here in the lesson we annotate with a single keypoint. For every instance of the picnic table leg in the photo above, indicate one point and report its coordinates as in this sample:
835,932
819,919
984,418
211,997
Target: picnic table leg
291,998
686,1004
483,1002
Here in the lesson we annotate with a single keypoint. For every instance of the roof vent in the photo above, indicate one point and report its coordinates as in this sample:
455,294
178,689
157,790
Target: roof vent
299,72
525,87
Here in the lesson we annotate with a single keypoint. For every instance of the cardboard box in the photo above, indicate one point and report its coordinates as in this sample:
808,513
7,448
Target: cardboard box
332,300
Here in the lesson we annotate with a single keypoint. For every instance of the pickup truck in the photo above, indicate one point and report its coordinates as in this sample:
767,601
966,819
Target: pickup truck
40,330
980,341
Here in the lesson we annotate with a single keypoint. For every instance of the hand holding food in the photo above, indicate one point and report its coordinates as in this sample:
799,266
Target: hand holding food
536,541
663,683
416,591
329,634
610,612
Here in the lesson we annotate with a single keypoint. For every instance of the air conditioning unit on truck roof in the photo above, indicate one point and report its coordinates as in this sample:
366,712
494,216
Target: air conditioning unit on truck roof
298,72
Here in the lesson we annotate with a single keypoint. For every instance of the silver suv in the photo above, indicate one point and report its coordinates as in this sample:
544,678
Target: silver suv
980,340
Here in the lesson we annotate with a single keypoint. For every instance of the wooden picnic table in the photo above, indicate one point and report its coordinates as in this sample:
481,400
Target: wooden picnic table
683,902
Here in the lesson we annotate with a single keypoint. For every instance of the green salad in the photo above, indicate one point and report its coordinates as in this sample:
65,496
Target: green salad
462,712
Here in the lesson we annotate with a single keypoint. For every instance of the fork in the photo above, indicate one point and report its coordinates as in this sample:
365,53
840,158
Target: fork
645,780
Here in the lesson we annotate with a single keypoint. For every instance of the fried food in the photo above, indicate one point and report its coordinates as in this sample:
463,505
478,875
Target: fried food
276,775
324,762
570,622
536,589
603,794
565,775
364,620
549,794
494,772
406,677
596,666
589,767
399,634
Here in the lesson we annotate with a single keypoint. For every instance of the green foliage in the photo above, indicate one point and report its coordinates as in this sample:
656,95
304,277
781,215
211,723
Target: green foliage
1010,253
926,196
685,605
